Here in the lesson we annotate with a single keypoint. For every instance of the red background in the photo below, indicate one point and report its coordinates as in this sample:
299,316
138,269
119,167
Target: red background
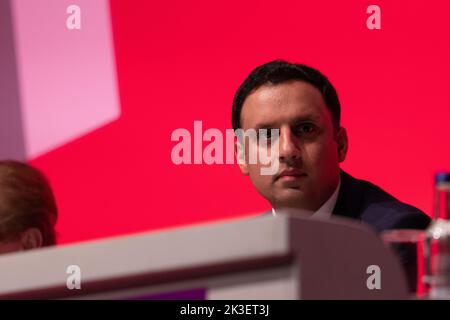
181,61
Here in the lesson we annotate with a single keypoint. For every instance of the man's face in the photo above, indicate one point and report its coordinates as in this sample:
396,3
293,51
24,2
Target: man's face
310,149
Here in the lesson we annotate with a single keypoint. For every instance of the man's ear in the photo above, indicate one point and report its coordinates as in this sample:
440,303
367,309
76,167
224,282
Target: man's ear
31,239
342,142
240,156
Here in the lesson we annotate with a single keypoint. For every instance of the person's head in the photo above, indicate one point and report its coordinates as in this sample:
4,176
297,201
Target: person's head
304,106
28,211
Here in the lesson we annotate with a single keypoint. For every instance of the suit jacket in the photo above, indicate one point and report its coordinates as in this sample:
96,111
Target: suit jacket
364,201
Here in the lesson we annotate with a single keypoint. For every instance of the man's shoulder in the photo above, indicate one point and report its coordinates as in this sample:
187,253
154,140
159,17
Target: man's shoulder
381,210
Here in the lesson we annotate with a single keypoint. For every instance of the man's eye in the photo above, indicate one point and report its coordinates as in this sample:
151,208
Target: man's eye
307,130
265,134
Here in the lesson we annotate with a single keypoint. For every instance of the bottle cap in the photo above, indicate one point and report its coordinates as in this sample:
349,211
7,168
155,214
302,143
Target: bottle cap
442,177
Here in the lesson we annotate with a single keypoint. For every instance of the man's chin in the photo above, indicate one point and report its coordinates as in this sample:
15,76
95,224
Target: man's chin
293,198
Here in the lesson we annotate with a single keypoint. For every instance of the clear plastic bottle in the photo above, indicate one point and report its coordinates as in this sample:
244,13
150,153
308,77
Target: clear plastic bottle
437,244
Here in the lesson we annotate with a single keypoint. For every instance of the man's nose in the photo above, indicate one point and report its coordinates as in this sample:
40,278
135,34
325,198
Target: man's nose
289,145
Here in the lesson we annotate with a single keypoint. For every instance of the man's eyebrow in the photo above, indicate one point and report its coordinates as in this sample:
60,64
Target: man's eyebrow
294,121
306,118
265,126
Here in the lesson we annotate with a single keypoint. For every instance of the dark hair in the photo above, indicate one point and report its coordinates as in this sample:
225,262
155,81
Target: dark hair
26,201
279,71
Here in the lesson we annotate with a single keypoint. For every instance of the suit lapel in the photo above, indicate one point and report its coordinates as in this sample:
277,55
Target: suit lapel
350,199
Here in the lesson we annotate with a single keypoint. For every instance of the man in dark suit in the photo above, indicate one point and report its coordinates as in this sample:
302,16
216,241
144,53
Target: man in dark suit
303,107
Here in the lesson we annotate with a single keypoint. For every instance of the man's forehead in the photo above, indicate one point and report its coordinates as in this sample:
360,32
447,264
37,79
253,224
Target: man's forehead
287,102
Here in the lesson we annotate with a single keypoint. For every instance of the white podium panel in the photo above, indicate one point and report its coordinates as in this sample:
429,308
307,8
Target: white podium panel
252,258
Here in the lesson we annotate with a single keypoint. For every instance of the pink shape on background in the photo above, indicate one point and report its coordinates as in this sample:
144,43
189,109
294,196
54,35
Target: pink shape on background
67,78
